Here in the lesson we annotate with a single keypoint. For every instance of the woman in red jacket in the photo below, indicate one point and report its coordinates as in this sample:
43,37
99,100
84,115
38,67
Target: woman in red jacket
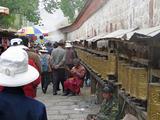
31,88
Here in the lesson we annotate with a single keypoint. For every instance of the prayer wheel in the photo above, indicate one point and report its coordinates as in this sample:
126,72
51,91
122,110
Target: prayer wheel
104,67
133,81
120,72
95,65
125,80
141,83
154,101
99,64
112,64
124,75
128,79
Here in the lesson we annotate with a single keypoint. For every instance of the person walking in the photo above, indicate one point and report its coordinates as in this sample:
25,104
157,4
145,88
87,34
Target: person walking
46,69
58,65
14,74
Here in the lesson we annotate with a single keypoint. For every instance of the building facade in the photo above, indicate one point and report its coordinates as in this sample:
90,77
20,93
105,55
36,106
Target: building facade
105,16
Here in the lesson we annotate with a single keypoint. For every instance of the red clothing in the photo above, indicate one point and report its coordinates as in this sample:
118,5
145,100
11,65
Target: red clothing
1,88
74,83
30,89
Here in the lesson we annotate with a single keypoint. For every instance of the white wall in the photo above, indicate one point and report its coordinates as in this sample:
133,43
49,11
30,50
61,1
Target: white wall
120,14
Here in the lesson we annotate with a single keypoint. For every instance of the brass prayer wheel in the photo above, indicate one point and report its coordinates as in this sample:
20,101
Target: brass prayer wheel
112,64
128,79
141,83
133,81
154,101
120,72
124,75
104,66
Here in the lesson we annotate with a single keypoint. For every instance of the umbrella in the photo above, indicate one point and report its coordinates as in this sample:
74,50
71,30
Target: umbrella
29,31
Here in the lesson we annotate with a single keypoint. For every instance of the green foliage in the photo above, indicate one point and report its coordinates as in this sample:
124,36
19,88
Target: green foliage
6,21
26,8
69,7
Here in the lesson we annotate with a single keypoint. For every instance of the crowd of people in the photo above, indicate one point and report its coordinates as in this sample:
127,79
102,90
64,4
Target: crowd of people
23,68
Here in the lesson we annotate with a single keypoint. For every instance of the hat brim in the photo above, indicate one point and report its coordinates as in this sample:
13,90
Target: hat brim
19,79
68,46
22,47
43,51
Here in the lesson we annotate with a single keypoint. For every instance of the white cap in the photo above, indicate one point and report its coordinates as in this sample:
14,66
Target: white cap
16,40
68,45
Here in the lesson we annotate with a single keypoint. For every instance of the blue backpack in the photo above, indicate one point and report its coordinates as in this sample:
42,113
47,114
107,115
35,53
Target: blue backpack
44,62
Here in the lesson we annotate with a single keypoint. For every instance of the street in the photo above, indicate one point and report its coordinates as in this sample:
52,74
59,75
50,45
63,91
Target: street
67,107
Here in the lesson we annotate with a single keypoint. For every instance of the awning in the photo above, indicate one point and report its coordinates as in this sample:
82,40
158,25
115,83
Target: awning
93,39
4,10
77,40
148,32
119,33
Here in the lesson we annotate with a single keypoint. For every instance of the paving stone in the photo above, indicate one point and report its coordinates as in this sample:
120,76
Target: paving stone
64,107
77,116
58,117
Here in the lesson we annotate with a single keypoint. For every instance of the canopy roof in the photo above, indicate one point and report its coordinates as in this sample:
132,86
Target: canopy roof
96,37
116,34
119,33
147,31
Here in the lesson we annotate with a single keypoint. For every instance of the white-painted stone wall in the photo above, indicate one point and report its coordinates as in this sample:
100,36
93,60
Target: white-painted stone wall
119,14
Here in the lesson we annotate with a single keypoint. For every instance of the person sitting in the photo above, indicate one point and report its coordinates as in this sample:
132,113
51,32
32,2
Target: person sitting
14,74
109,107
72,85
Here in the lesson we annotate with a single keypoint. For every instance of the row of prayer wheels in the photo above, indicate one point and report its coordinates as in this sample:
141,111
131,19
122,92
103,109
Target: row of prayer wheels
101,65
134,80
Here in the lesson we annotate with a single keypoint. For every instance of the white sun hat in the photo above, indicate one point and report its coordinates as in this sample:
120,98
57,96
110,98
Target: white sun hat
16,40
21,47
14,68
68,45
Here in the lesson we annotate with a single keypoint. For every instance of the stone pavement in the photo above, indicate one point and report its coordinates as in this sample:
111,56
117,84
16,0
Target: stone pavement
68,107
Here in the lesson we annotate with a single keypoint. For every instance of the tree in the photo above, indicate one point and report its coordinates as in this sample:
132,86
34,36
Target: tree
26,8
68,7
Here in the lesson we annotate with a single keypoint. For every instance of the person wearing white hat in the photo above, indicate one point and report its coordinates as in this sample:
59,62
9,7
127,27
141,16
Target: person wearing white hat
68,45
58,66
14,74
70,55
30,89
46,69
